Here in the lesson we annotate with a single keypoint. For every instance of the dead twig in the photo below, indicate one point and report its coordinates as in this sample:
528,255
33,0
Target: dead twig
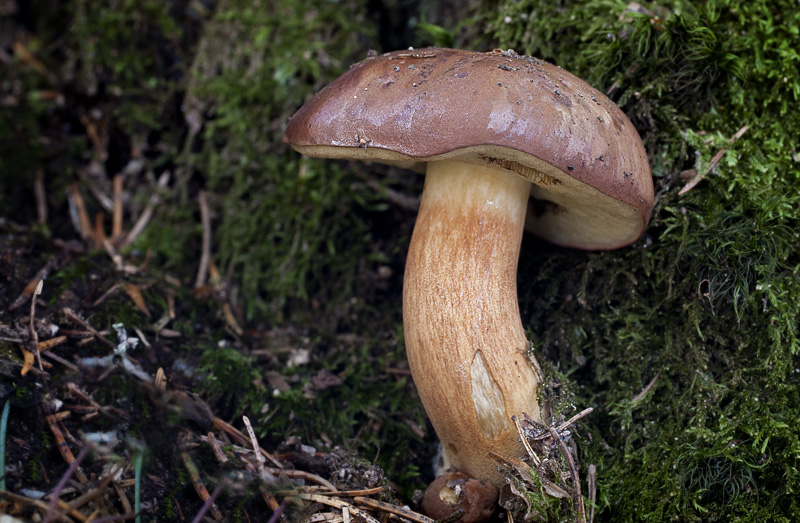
577,498
592,480
71,315
55,357
355,493
41,197
525,443
526,473
209,503
73,469
146,215
44,350
714,161
116,217
566,424
243,440
99,233
393,509
120,263
80,218
126,504
63,447
199,486
325,517
221,457
160,382
270,500
341,505
301,474
33,283
646,389
111,290
32,327
110,412
205,256
96,492
41,505
256,449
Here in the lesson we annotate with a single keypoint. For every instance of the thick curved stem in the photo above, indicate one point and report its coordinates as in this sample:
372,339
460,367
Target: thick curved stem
466,345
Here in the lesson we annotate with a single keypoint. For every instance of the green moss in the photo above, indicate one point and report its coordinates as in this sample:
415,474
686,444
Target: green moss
229,378
290,228
705,303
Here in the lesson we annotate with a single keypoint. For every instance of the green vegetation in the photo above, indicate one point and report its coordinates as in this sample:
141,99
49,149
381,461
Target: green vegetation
284,217
705,303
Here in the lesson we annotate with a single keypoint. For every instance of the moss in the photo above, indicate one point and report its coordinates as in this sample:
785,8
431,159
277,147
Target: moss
705,302
290,228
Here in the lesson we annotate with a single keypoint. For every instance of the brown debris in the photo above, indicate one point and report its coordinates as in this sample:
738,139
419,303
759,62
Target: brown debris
116,221
136,295
71,315
577,498
546,447
41,197
63,447
30,288
199,486
644,391
205,256
239,437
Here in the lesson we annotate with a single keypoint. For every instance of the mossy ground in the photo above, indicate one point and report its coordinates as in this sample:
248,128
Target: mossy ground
705,303
311,253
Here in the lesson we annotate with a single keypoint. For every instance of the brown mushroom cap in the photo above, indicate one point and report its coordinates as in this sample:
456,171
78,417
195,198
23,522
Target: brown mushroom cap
592,186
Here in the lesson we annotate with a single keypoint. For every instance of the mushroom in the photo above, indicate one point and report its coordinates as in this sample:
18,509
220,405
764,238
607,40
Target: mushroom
456,492
507,142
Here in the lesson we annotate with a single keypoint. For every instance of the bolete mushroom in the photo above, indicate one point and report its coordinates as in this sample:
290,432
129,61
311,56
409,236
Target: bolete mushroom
507,142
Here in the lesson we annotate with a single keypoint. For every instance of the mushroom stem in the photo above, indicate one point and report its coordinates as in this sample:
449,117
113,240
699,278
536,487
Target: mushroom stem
466,345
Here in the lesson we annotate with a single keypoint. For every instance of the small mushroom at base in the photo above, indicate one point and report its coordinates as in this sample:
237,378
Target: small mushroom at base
454,491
